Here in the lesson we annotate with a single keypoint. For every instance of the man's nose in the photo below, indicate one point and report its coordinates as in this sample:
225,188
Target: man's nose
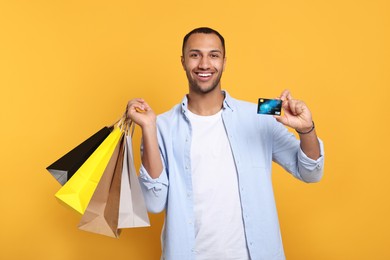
204,63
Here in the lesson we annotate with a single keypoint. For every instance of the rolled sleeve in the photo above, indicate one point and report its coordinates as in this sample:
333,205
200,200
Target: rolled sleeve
154,190
311,170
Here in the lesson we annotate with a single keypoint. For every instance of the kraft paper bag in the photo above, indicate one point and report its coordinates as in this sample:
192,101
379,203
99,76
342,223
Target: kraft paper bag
64,168
101,215
111,213
77,192
132,208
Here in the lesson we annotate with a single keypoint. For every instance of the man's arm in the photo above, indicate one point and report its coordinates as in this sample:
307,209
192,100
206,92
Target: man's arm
310,145
141,114
153,177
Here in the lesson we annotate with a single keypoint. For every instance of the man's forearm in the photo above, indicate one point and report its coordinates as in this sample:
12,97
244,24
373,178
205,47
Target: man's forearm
310,145
151,158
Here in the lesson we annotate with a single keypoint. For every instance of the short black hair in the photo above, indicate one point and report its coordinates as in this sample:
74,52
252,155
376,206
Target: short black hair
205,30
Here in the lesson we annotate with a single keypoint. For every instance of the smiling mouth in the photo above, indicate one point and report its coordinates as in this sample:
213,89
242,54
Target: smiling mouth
204,75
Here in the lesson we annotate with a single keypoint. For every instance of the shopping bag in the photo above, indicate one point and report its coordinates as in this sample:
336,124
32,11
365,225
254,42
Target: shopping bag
101,215
77,192
132,208
111,213
64,168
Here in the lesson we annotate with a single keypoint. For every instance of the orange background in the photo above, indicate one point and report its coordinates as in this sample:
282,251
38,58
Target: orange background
69,67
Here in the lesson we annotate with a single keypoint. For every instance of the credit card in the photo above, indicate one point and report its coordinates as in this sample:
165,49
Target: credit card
268,106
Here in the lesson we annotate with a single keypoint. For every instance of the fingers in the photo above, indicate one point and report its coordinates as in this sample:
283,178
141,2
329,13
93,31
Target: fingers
281,119
134,107
286,95
137,104
140,112
296,107
146,106
296,114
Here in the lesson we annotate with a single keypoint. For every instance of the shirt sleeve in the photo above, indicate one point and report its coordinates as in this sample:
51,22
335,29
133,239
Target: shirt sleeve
311,170
288,153
154,190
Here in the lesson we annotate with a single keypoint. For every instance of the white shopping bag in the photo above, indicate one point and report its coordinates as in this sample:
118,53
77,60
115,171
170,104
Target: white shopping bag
132,208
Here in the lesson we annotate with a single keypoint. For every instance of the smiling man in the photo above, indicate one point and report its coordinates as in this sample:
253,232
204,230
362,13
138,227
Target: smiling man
207,162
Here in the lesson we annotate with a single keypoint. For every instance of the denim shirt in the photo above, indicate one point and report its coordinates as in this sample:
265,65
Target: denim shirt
255,140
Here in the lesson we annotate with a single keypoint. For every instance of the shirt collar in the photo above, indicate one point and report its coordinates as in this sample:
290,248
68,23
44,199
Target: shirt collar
227,102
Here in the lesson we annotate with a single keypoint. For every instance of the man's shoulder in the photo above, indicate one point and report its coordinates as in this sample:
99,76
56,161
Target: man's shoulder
168,117
242,105
170,113
235,102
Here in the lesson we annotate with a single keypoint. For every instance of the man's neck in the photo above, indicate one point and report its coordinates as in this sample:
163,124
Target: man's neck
205,104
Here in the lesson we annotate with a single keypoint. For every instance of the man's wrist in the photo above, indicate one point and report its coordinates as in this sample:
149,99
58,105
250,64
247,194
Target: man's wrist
306,131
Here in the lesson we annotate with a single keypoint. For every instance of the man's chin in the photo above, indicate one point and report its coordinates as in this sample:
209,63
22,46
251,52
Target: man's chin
203,89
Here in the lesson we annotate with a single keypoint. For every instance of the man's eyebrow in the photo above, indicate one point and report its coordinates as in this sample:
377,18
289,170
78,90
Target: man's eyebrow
196,50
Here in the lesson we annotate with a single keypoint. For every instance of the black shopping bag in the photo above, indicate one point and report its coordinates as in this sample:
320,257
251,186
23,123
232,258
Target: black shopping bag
64,168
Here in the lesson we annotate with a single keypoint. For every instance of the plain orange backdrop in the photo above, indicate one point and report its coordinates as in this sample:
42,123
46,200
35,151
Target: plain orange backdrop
67,68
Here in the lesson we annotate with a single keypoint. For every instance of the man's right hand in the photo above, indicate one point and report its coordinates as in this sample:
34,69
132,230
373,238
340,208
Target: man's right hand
141,113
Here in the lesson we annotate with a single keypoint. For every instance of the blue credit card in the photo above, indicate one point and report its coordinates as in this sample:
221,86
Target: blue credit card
269,106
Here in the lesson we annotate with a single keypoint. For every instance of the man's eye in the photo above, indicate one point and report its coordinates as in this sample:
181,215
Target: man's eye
214,55
194,55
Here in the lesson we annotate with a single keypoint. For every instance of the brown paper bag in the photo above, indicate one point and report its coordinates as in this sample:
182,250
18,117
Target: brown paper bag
111,212
102,213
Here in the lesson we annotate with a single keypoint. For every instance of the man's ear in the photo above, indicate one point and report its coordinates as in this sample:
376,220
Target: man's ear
224,63
182,62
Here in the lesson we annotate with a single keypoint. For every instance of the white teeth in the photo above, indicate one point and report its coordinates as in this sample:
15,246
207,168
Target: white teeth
204,74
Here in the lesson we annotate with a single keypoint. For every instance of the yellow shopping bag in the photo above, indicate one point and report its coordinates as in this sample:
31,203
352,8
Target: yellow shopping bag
77,192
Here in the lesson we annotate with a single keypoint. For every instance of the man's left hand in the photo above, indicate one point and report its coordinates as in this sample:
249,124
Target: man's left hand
296,114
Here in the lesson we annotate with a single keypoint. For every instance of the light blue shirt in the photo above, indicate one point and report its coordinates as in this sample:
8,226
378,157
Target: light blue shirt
256,140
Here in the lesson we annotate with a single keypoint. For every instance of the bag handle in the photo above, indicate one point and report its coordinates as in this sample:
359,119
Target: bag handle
130,126
125,124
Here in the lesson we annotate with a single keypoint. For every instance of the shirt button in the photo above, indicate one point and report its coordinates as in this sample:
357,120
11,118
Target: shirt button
186,167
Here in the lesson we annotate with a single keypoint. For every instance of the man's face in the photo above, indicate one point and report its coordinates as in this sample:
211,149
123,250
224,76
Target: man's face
203,60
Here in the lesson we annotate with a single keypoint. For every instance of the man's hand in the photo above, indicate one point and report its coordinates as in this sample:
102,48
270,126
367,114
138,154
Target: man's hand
296,114
140,113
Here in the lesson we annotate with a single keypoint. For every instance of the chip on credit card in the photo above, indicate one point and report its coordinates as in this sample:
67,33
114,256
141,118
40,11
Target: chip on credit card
268,106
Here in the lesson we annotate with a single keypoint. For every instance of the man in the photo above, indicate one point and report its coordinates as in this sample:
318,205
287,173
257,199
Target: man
207,162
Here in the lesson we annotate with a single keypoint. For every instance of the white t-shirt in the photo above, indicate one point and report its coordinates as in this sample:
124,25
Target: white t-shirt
219,228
